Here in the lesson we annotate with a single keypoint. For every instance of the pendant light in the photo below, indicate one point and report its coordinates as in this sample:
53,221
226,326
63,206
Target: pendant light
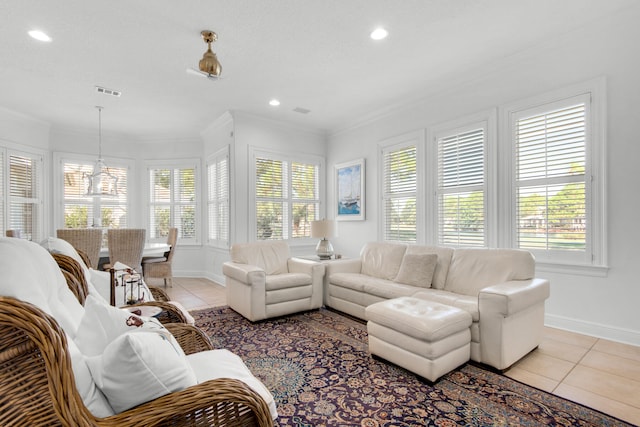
101,182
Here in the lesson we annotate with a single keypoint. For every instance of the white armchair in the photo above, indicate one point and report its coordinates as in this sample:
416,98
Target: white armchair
263,281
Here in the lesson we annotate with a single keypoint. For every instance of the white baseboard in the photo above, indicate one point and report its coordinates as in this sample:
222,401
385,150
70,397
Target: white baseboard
623,335
207,275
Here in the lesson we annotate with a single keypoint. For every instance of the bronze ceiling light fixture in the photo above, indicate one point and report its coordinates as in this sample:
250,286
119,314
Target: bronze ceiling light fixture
209,63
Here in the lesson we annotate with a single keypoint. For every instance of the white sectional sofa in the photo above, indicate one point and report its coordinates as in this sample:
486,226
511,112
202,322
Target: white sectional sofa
496,287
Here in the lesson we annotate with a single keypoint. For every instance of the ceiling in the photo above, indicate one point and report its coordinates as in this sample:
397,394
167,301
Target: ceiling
310,54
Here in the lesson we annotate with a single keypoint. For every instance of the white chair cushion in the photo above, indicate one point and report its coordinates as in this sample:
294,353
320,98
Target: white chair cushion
102,324
95,401
30,274
271,256
138,367
214,364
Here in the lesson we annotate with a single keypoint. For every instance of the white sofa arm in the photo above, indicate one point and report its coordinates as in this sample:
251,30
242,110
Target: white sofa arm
244,273
512,297
316,270
511,320
246,289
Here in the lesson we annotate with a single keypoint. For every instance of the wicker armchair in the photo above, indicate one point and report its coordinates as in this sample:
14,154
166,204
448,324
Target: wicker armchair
77,282
37,386
87,240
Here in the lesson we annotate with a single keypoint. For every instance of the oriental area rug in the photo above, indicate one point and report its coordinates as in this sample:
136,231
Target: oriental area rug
318,368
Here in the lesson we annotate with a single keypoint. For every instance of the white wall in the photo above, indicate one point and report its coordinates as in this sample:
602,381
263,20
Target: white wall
242,132
601,306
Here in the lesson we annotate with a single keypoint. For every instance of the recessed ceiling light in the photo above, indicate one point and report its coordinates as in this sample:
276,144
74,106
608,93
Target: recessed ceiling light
274,102
379,33
39,35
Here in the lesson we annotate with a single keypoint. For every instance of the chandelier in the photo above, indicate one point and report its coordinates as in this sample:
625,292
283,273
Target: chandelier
101,182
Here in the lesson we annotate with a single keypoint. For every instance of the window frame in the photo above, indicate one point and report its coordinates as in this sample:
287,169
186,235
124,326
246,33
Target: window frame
254,153
38,201
174,165
487,120
594,261
215,158
411,139
61,158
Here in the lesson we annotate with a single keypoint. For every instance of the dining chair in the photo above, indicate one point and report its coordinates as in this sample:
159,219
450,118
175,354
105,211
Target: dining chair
87,240
126,245
160,267
13,233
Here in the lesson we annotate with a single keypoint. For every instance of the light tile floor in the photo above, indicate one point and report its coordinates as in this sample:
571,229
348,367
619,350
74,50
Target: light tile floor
601,374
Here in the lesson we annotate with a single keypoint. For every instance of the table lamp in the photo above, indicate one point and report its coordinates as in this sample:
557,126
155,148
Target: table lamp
323,229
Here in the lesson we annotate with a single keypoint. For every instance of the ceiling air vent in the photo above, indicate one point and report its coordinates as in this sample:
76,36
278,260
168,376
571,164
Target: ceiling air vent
301,110
106,91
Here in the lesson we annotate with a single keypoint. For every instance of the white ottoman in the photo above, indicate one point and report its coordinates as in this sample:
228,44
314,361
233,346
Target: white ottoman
427,338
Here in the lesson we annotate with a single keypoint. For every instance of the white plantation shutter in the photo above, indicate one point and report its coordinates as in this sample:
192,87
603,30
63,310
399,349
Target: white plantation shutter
173,203
400,193
25,195
271,206
305,198
550,177
218,199
287,193
461,187
81,211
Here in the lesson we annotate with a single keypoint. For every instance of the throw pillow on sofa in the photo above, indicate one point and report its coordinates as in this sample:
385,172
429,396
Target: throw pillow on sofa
417,270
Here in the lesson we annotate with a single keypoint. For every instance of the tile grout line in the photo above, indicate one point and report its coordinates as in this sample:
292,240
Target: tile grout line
575,365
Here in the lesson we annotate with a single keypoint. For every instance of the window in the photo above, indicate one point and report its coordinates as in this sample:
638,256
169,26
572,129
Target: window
461,186
551,185
287,193
81,211
218,198
173,202
399,196
24,193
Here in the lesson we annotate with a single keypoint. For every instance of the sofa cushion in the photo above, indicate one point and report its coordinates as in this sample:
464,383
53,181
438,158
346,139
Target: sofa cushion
382,260
271,256
387,289
472,270
464,302
417,269
355,281
442,266
138,367
288,280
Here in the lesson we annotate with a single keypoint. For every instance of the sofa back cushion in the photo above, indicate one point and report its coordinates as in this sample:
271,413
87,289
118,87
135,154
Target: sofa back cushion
442,265
271,256
382,260
472,270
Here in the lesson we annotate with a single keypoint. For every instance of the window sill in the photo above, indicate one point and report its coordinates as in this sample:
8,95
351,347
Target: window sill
583,270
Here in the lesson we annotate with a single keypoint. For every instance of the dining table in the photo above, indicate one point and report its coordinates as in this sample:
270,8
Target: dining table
150,249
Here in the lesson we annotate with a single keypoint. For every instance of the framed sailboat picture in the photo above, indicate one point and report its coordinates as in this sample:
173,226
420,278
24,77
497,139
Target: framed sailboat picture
350,190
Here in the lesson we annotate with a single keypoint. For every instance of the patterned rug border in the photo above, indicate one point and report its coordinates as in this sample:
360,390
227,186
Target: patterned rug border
482,370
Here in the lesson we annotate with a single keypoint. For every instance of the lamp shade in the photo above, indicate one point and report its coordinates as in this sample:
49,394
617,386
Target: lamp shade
323,228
